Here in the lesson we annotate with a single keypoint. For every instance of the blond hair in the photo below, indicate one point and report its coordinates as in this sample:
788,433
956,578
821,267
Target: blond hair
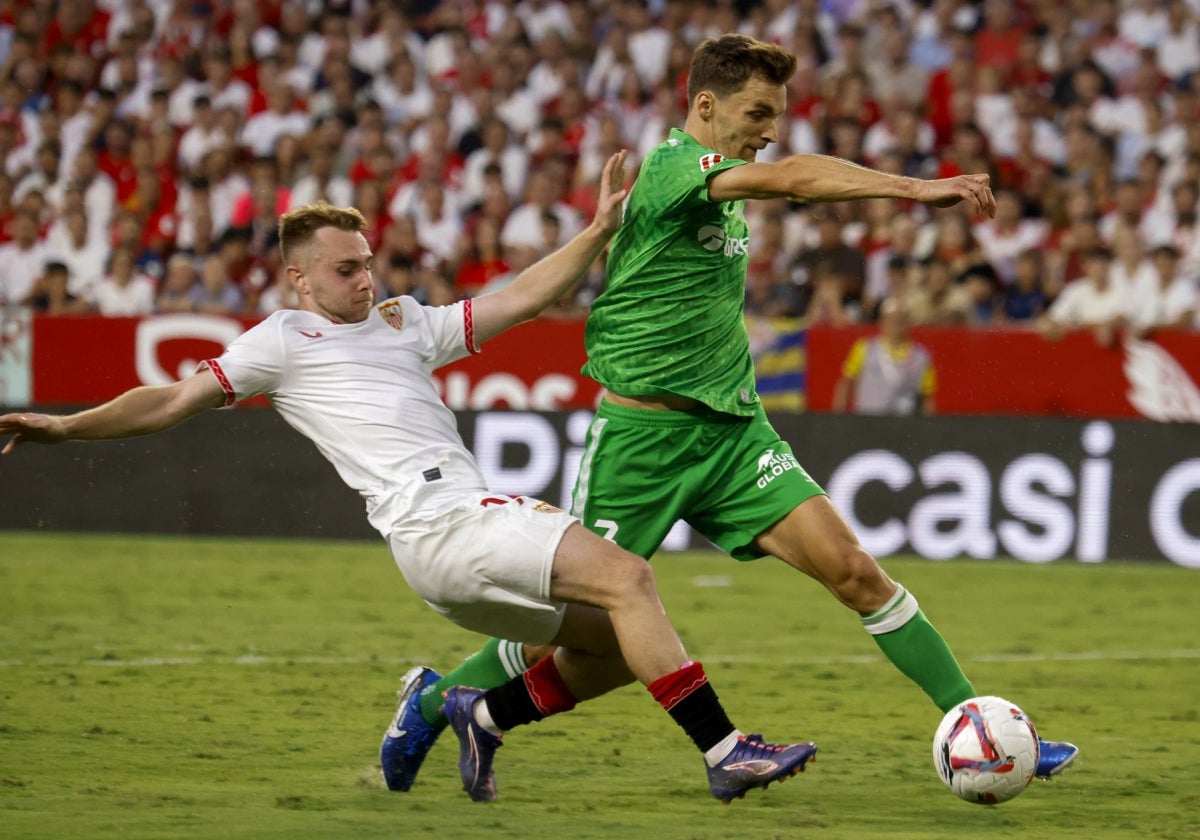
297,227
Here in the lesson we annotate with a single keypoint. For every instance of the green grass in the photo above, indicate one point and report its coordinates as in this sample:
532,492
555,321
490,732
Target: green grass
154,687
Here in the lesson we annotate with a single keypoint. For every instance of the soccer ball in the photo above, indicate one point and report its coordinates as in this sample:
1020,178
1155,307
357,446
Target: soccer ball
986,750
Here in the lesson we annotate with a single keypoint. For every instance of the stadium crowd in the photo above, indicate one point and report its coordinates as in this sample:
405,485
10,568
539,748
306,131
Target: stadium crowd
148,147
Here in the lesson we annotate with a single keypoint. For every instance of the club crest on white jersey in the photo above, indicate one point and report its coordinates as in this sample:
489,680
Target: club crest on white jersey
392,313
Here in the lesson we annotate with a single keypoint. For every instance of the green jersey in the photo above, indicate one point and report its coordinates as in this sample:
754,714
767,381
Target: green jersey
670,319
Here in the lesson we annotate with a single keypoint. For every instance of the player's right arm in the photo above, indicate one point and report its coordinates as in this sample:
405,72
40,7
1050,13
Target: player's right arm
820,178
140,411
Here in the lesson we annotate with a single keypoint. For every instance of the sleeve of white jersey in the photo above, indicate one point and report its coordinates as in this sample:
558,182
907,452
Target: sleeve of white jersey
252,364
448,331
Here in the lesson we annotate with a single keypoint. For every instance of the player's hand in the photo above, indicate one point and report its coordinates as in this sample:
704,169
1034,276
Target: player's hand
31,428
612,194
973,189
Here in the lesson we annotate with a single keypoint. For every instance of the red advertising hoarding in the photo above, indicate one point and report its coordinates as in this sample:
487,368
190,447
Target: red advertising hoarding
84,360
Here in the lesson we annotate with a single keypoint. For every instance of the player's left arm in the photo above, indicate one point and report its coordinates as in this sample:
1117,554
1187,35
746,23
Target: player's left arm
549,278
140,411
820,178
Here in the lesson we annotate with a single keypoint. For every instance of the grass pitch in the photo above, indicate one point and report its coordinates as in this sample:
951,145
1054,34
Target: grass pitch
157,688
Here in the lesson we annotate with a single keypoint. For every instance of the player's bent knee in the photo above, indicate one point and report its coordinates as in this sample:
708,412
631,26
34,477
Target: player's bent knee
634,577
859,582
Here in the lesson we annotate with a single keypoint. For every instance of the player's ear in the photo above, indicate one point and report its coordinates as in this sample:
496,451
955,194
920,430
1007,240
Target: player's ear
703,104
297,278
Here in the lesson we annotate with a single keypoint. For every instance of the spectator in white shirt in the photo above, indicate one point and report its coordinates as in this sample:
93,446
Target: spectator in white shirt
525,225
1090,301
1178,51
393,36
514,102
1004,237
22,260
225,184
203,135
612,66
1143,22
649,43
181,89
320,183
546,78
282,117
75,119
1159,224
499,149
45,176
223,89
84,254
438,228
402,93
1130,269
540,16
124,291
1165,298
99,191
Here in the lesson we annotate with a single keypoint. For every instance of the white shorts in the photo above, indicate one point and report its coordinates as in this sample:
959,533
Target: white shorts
486,564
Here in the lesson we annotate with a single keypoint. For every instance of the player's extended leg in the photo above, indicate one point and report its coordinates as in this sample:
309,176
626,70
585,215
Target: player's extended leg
815,539
419,721
615,629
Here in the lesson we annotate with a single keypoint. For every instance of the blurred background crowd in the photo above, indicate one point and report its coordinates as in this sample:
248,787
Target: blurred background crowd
148,147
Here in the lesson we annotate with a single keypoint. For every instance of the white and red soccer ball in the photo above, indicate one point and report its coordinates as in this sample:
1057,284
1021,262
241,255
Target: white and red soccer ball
986,750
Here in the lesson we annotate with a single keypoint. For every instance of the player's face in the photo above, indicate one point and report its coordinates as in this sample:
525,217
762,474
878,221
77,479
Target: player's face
743,123
333,277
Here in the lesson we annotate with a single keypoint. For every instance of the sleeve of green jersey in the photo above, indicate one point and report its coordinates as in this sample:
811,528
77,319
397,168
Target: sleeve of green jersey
681,178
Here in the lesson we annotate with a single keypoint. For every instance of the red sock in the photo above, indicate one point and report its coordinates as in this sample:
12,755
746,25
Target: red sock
692,703
547,689
677,685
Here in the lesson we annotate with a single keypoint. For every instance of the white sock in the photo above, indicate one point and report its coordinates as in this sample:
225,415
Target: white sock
723,748
484,718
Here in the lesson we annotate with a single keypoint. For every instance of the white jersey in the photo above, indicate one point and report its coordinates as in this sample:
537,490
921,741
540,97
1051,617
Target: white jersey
364,395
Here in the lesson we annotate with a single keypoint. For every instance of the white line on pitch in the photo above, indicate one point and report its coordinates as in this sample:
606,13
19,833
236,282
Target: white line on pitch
855,659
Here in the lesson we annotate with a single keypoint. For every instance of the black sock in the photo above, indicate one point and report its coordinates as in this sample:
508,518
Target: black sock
510,704
702,717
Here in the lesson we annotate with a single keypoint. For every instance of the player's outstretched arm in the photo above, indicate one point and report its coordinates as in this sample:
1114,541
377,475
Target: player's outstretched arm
818,178
549,278
140,411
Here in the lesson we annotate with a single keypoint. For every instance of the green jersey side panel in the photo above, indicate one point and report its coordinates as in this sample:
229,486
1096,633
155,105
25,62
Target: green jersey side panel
670,318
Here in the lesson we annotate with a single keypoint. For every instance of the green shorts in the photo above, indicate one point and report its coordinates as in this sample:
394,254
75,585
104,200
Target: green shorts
731,478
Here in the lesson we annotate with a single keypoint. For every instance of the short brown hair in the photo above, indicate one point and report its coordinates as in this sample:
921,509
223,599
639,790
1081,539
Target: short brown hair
723,65
296,227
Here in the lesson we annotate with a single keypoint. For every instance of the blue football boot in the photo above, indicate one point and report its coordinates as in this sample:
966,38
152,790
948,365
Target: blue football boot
477,746
409,738
755,763
1054,757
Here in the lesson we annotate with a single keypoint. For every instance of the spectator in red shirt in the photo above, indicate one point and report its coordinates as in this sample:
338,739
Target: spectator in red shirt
956,77
114,158
998,42
79,24
481,260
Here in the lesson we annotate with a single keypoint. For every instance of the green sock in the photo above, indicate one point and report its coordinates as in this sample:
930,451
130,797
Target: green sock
494,664
907,638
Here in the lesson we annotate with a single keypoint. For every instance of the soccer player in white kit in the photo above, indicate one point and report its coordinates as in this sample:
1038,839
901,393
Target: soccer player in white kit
354,376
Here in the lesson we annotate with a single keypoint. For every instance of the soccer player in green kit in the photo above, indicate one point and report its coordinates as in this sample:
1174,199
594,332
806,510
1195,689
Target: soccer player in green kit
680,432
